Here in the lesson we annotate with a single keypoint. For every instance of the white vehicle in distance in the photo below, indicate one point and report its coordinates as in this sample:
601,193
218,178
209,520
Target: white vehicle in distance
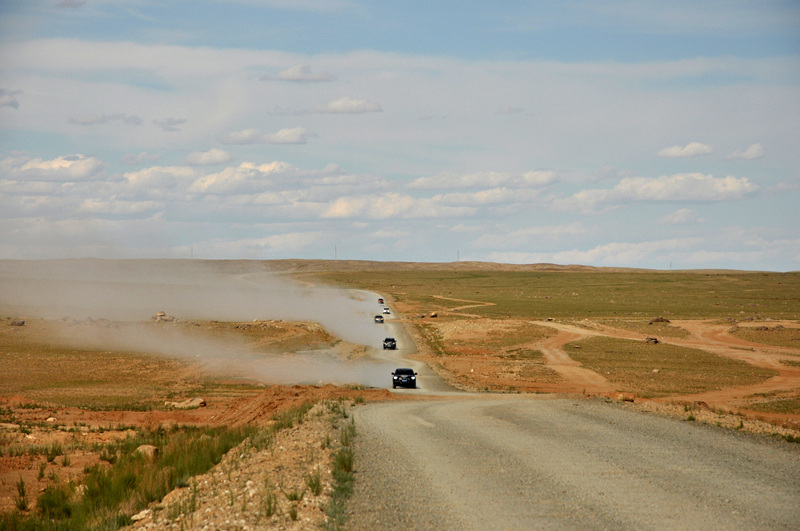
386,310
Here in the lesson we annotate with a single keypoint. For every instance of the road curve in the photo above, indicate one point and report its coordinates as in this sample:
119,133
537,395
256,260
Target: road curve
516,462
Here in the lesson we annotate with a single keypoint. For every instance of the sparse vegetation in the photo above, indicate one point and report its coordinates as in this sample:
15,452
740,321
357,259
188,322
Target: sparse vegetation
769,335
782,405
629,366
132,481
537,294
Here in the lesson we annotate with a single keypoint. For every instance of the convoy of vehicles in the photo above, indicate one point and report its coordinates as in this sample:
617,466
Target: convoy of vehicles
403,376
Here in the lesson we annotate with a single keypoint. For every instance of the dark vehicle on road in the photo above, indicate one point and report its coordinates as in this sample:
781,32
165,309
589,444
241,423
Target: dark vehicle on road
378,318
404,378
389,343
380,301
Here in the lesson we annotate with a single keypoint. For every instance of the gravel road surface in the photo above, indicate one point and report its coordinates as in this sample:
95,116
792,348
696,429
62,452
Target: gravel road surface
515,462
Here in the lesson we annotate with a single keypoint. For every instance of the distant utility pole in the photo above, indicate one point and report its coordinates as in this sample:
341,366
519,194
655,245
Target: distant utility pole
458,255
335,253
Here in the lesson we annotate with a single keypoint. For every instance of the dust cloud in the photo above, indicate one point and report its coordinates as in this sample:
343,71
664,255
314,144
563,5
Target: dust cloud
134,290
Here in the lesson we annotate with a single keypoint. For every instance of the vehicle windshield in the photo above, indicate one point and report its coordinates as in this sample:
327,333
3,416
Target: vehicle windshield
404,371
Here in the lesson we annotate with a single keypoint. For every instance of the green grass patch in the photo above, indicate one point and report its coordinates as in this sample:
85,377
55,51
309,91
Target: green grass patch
629,366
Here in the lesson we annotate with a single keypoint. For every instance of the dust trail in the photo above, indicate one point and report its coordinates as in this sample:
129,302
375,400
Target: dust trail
134,290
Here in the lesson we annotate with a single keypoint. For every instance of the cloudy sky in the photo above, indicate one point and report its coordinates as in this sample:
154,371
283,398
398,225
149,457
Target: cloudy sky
609,133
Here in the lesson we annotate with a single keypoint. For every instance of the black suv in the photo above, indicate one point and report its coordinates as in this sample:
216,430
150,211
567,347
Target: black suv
389,343
404,378
378,318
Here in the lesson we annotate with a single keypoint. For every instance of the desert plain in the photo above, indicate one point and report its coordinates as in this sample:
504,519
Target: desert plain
96,353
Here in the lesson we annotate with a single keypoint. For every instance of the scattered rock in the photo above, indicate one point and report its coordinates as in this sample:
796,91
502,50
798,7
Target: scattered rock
51,419
656,371
652,340
189,403
160,317
18,322
659,320
149,451
434,314
140,515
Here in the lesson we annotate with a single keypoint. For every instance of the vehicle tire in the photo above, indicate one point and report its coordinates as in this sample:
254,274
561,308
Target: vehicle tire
394,386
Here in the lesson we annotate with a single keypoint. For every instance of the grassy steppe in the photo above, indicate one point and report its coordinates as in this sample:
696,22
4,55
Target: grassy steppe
560,294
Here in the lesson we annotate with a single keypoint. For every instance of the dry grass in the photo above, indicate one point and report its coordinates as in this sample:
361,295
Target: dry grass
630,366
489,335
779,337
643,326
780,405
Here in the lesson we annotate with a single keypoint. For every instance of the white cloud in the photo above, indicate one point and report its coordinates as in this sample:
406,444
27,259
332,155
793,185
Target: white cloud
621,254
95,119
345,105
295,135
116,207
692,149
138,158
257,247
390,234
683,216
446,181
65,168
302,74
170,125
246,136
492,196
529,236
208,158
754,151
391,205
679,187
247,177
157,180
8,98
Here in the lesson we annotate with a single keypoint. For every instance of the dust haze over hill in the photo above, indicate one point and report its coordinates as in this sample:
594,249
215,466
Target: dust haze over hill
134,290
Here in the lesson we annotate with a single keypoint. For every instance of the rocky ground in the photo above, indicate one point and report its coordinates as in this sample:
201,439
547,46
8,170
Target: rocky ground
287,485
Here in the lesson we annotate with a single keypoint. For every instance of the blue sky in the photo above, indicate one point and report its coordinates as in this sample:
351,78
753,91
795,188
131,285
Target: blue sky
619,133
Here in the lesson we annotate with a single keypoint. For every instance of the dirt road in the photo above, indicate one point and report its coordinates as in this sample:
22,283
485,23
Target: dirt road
522,463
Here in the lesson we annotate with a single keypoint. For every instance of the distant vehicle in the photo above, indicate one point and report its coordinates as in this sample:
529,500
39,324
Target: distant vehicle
378,318
380,301
389,343
404,378
386,310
